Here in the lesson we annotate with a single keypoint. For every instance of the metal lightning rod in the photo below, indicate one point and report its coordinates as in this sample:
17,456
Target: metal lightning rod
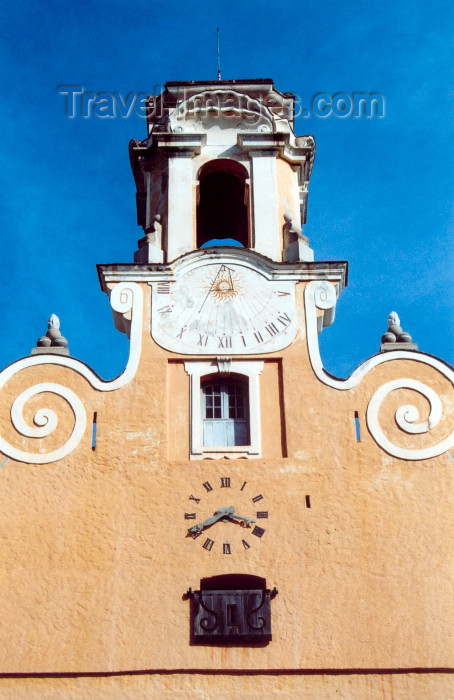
219,53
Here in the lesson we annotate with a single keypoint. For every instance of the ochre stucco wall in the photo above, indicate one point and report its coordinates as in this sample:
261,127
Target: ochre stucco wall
96,561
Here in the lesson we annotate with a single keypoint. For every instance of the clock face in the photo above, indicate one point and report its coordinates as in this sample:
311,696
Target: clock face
226,516
223,309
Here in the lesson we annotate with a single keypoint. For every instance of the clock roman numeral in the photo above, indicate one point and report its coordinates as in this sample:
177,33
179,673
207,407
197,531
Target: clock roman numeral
258,531
226,548
257,498
208,544
190,516
208,486
193,498
245,544
225,482
262,514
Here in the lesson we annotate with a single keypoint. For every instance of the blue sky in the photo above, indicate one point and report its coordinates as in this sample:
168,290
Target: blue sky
380,194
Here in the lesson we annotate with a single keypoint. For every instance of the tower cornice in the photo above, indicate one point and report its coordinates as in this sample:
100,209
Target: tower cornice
335,271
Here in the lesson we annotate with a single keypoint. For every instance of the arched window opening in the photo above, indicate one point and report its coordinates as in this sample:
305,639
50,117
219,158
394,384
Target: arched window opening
225,412
222,209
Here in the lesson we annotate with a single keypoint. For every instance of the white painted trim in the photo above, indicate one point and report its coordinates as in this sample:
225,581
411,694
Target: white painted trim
319,295
47,421
247,368
264,204
221,107
125,299
180,230
334,271
405,417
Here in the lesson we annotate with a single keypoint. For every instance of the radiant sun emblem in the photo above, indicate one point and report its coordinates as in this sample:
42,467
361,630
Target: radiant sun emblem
223,289
225,285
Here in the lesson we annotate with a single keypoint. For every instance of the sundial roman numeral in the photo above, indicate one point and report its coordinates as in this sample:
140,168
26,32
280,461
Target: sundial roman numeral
225,341
271,328
284,319
165,310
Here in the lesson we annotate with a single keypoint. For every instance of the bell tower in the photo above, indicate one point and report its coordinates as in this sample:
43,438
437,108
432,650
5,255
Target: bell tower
226,516
222,163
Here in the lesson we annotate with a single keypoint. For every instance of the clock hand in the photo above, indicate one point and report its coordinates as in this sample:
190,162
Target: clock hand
220,513
245,520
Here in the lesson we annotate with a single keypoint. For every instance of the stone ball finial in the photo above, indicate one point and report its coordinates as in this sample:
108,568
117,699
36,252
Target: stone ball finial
395,334
43,342
53,341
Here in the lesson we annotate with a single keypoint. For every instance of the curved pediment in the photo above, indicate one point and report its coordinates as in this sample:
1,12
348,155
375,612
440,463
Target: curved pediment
222,109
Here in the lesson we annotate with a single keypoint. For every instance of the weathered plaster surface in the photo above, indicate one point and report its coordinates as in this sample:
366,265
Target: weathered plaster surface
96,561
374,686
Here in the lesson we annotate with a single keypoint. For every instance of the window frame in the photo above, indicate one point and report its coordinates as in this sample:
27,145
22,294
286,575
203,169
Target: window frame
247,369
233,397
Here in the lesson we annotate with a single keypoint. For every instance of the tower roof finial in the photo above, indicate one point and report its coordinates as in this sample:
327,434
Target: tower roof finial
218,53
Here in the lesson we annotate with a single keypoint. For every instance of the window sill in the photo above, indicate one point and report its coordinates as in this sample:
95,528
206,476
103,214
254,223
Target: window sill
212,452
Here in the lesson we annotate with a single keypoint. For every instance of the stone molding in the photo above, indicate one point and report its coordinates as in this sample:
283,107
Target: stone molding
223,108
282,145
334,271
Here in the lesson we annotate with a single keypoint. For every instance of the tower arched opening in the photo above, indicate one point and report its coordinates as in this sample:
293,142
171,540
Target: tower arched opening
223,205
